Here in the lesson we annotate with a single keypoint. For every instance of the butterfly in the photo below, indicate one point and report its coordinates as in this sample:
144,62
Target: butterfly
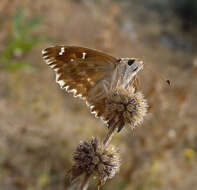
90,74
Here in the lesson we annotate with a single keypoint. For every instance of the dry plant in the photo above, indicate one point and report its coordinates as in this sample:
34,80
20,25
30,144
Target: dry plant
100,159
38,122
108,86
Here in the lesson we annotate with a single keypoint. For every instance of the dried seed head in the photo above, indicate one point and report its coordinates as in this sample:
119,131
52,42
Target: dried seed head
92,158
125,107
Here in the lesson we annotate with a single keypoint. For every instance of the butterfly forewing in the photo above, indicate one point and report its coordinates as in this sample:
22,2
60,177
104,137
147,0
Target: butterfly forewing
78,69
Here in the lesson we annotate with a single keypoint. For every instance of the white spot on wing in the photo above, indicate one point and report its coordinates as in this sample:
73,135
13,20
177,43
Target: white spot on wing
91,107
56,70
58,76
93,112
73,91
45,56
61,83
52,66
66,88
84,55
44,51
87,103
49,61
71,60
62,51
78,95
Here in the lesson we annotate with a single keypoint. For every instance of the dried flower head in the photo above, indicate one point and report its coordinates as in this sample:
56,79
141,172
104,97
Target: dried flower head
91,158
125,107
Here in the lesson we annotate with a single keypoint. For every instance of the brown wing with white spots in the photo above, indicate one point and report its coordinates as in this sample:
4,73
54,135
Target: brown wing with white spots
78,69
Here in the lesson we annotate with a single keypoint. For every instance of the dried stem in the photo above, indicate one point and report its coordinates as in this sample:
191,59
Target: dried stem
110,134
84,183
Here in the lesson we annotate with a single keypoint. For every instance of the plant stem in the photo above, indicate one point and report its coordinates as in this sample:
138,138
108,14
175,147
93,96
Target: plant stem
84,183
109,135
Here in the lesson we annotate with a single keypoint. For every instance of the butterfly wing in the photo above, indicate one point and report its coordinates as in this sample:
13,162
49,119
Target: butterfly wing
78,69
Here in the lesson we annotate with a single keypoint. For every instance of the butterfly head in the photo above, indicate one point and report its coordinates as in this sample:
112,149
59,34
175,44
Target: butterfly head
128,68
130,65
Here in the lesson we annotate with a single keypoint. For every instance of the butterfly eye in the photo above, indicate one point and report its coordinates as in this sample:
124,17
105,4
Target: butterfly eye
168,82
131,61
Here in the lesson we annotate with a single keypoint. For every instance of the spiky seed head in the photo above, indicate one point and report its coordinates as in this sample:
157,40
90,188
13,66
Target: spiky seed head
92,158
125,106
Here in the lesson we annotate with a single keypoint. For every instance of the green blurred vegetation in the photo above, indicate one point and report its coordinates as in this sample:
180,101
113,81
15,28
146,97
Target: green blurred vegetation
20,42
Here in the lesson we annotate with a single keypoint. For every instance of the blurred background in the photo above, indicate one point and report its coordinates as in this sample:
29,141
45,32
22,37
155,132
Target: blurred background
40,125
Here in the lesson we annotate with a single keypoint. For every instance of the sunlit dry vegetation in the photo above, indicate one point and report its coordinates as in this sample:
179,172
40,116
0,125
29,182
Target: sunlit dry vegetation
40,125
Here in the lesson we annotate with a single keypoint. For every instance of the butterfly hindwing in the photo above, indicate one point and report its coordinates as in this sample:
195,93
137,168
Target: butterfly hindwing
78,69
